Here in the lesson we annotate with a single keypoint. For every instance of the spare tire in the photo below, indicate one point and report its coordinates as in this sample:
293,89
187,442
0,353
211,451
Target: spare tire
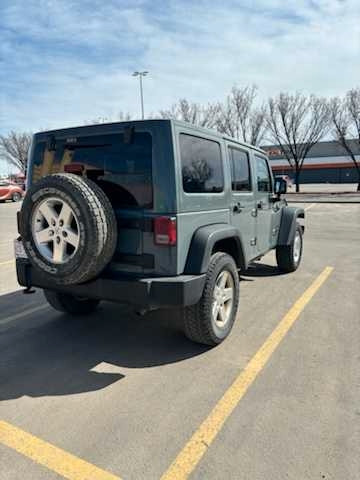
68,228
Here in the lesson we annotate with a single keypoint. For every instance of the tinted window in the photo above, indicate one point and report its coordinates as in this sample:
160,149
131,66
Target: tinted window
240,170
263,175
111,151
201,165
125,162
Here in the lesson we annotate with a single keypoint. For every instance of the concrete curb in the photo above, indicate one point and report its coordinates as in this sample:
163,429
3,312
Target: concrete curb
323,193
356,202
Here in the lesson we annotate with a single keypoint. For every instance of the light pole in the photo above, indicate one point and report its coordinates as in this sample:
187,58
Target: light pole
141,75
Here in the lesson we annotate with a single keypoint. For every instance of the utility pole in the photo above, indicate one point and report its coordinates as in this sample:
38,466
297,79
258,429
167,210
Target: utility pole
141,75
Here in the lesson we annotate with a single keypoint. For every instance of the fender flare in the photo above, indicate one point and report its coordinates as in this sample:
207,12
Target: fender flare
288,224
202,245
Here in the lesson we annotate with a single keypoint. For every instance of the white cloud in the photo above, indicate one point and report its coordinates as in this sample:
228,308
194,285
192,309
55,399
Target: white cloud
66,61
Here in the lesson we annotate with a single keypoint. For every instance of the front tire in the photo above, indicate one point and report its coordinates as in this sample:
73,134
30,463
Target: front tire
210,320
16,197
64,302
288,257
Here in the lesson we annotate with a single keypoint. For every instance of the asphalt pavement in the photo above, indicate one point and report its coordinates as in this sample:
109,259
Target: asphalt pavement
115,395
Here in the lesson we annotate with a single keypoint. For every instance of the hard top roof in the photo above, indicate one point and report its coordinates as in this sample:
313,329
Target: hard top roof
110,125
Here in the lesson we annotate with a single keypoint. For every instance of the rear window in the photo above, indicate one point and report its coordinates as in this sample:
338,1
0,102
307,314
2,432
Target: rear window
122,159
262,174
240,170
201,165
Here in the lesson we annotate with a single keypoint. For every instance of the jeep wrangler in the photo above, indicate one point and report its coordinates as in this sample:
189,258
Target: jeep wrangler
153,213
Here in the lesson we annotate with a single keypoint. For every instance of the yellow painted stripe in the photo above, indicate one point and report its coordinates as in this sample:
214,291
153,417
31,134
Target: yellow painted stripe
7,262
54,458
310,206
196,447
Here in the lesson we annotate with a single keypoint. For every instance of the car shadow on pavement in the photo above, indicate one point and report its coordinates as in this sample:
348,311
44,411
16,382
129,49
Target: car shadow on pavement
50,353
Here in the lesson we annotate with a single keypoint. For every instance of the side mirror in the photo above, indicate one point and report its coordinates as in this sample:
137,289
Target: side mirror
280,186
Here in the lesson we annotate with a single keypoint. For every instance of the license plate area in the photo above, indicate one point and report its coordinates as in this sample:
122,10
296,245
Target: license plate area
19,249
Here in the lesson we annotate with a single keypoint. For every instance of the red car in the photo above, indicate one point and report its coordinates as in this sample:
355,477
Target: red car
10,191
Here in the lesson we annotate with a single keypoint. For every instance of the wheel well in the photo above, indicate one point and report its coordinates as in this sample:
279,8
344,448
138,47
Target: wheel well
301,223
229,246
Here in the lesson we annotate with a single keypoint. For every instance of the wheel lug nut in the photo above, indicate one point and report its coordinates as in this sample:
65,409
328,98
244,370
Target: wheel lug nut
64,234
53,223
51,233
57,239
61,223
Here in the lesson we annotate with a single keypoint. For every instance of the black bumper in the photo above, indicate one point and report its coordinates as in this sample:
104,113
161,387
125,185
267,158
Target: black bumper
181,290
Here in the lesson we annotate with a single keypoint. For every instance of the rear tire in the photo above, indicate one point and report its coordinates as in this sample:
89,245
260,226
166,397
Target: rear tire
288,257
210,320
64,302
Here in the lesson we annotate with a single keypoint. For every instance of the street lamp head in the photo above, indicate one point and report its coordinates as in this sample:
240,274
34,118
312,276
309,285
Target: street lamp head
141,74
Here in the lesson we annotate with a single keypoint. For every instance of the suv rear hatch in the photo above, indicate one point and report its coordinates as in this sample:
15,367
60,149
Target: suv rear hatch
120,158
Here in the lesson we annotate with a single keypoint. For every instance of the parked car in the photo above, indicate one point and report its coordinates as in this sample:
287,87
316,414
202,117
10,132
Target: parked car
10,191
287,179
154,213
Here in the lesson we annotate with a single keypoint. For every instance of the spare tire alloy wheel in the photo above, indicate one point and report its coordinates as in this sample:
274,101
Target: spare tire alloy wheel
55,229
68,228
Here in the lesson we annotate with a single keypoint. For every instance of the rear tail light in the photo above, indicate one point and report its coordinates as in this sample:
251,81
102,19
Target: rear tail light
165,231
76,168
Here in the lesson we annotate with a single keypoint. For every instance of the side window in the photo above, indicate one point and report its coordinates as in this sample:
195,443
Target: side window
262,175
240,170
201,165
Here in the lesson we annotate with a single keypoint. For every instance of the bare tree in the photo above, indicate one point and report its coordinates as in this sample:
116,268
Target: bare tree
296,123
14,149
239,118
121,117
124,116
201,115
345,122
97,121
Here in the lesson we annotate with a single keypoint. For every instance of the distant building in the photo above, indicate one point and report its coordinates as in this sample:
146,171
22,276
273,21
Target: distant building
326,162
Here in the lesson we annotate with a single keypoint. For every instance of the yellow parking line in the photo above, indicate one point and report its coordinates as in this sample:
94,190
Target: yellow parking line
7,262
54,458
195,448
310,206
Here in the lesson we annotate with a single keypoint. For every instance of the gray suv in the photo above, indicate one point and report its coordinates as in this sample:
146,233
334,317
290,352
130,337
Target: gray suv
154,213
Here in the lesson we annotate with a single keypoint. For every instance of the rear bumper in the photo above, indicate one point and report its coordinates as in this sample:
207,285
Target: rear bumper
181,290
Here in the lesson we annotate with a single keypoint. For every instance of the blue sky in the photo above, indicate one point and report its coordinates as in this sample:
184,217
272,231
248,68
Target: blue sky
65,62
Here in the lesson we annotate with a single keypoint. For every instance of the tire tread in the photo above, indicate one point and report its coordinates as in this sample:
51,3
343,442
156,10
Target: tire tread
102,217
196,317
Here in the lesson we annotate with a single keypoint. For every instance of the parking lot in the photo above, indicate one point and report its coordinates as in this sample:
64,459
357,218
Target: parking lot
115,395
